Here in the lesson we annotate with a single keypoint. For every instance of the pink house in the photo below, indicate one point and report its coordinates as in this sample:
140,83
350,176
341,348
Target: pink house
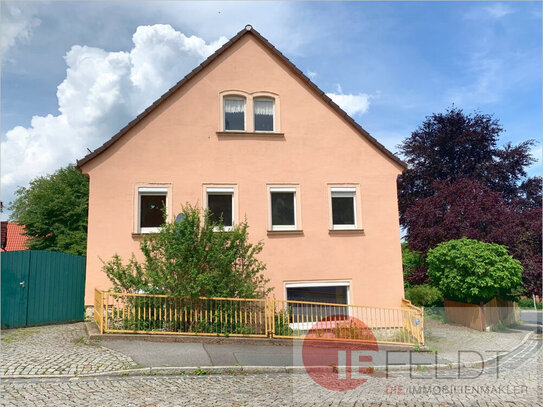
247,134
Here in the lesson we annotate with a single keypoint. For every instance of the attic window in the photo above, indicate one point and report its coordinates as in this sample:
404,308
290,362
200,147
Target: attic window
264,114
234,113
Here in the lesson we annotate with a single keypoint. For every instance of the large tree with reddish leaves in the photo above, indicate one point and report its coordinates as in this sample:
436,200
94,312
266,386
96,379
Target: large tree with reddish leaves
460,183
455,145
466,208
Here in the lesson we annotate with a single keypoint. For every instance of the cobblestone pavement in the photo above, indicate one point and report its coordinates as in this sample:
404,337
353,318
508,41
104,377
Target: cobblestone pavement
448,339
56,350
518,383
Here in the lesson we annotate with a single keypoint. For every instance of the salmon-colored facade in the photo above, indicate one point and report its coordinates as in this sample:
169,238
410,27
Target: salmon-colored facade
180,146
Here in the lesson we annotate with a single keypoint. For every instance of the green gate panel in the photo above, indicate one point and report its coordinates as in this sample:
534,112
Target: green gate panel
57,288
53,289
14,287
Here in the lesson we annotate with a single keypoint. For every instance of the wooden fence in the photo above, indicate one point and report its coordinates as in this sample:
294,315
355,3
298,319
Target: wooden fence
162,314
483,316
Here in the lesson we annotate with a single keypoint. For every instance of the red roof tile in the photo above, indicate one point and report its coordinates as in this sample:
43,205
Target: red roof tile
15,239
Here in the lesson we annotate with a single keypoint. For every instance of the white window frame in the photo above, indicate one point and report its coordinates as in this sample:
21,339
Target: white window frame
306,326
234,97
343,192
256,98
146,191
283,227
222,191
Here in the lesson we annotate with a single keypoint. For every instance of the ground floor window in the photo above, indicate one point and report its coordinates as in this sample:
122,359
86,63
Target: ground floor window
330,294
303,314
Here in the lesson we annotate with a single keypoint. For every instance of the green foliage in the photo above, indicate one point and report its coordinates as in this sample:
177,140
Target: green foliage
470,271
528,303
53,210
413,262
193,258
424,295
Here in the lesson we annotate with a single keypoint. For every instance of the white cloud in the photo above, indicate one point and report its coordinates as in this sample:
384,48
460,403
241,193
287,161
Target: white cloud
102,92
492,11
17,23
352,104
311,74
498,10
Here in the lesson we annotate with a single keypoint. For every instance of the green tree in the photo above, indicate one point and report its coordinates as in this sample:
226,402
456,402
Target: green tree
193,258
471,271
54,211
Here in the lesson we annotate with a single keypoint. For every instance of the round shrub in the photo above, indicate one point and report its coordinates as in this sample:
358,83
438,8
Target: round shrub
424,295
471,271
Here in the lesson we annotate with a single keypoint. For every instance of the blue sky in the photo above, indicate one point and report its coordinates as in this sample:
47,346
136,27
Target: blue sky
389,64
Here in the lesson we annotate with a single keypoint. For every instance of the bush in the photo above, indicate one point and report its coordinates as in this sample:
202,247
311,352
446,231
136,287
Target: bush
470,271
528,303
414,270
193,258
424,295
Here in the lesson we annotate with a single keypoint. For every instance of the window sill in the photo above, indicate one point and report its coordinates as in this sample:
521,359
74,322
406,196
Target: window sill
345,231
285,232
139,235
250,134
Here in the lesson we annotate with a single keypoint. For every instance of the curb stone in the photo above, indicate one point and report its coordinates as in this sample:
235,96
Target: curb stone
180,370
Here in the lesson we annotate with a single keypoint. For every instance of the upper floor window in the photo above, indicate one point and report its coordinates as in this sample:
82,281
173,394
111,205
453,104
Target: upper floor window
234,113
343,208
264,109
220,202
152,205
283,208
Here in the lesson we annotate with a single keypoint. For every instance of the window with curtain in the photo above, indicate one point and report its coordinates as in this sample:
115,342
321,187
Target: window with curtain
264,114
234,113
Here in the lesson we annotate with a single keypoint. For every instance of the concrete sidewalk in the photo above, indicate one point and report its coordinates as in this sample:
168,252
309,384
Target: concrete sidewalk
72,350
446,345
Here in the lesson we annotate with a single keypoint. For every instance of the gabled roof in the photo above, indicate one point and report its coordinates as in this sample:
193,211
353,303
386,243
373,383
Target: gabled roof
248,30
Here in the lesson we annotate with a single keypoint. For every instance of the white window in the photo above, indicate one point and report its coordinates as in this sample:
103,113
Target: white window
283,208
234,113
264,117
152,207
304,315
343,208
220,203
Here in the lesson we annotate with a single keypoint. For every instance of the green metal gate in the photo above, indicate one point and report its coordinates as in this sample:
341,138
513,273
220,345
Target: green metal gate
41,287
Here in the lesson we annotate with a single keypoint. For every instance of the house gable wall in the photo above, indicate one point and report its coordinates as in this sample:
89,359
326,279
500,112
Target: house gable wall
177,143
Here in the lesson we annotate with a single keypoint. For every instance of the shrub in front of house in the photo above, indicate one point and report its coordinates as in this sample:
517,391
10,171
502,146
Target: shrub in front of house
193,258
424,295
471,271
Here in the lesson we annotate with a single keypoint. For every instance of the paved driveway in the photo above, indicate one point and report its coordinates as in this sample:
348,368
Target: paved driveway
57,350
518,383
62,349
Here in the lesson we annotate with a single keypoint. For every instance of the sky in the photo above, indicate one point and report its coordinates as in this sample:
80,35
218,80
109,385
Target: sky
74,73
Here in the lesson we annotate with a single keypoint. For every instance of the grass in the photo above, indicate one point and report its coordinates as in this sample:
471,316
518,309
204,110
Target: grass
17,334
200,372
80,341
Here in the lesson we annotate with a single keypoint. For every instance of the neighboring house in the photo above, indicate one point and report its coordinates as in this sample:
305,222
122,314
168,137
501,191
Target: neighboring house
248,135
12,237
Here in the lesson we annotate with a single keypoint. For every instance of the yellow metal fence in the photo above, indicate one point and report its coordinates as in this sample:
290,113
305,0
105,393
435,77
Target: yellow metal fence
162,314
